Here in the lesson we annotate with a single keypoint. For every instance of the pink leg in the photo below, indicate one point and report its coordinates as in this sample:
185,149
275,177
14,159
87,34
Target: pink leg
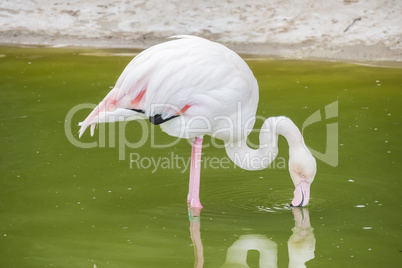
191,180
193,197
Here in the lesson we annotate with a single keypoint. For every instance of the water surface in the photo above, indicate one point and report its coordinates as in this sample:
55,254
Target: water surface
65,206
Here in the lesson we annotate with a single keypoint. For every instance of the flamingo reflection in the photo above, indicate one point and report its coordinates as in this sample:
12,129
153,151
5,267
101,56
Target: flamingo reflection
195,233
301,244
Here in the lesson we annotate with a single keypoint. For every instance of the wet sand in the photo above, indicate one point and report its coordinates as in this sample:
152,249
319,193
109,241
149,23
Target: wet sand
349,30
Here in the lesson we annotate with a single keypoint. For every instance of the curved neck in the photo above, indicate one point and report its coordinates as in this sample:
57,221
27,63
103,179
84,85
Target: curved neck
256,159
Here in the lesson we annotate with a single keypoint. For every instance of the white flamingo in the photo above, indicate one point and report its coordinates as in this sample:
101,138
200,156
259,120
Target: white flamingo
193,87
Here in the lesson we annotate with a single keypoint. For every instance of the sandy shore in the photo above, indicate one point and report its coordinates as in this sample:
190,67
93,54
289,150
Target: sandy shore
358,30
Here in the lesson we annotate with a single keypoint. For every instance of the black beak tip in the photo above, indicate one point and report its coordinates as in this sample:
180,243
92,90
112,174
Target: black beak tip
301,203
299,206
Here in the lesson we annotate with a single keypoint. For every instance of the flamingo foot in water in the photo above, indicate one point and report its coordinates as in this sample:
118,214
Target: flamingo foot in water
195,204
194,212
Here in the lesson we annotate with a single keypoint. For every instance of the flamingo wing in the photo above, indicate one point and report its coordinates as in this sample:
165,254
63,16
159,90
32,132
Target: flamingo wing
171,78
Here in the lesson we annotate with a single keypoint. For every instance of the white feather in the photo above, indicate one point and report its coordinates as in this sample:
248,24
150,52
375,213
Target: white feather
187,70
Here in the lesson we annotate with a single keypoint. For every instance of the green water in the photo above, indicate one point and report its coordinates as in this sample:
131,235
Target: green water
65,206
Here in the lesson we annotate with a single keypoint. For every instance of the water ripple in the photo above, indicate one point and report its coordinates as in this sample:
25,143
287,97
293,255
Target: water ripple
274,195
249,195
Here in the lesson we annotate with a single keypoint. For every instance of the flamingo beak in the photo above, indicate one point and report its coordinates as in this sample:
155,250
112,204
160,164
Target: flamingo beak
301,195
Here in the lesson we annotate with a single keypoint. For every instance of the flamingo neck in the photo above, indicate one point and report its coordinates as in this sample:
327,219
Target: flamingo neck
256,159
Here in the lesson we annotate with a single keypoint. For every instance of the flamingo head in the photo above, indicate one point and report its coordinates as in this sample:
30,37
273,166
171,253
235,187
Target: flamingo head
302,168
